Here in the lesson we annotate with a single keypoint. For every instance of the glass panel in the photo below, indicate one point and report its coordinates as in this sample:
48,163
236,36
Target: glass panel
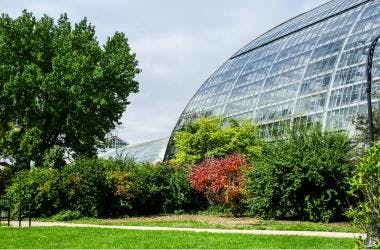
278,95
349,75
274,112
315,84
240,105
311,104
341,118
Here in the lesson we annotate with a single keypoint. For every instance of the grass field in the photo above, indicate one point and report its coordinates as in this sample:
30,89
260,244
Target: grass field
60,237
202,221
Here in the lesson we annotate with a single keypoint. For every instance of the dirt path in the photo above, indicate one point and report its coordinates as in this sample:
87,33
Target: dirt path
198,230
224,220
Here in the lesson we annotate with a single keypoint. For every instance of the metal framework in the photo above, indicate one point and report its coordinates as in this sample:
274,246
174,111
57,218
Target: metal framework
5,210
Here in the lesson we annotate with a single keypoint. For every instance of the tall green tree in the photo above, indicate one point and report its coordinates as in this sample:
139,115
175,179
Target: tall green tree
66,90
215,137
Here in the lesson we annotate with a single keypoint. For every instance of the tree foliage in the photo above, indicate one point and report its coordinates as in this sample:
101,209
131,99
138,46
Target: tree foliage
215,137
302,176
63,87
364,186
222,181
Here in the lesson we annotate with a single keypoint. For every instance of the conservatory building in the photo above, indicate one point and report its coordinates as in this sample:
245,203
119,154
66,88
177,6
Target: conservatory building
310,68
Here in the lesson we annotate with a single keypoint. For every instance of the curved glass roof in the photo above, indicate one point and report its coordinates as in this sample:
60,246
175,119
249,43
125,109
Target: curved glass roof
152,151
301,21
310,68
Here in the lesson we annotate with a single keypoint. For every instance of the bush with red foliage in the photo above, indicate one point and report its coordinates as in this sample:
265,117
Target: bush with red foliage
222,181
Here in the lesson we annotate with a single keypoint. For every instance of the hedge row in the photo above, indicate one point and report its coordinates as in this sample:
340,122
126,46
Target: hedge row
303,176
98,188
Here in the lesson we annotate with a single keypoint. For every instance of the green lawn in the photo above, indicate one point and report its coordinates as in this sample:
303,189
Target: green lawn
210,222
61,237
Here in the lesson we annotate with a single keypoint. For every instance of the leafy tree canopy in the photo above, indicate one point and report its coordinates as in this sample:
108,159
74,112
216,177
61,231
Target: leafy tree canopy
215,137
65,89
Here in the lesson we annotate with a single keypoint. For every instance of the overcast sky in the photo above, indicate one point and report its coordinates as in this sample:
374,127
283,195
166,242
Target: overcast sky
178,45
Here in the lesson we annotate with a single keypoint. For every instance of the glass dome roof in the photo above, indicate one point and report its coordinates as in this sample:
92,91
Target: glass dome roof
310,68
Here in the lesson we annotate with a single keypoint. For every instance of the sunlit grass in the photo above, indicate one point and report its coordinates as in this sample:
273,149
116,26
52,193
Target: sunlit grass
62,237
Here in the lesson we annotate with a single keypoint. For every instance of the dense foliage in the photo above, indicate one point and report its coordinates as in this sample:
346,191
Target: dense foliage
98,188
364,186
152,188
215,137
65,89
222,181
86,188
302,176
38,187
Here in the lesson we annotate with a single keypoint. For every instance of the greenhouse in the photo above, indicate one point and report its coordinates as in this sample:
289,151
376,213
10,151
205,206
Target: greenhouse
310,68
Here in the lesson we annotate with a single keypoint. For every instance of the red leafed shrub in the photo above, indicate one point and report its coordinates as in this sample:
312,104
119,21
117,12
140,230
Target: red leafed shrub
222,181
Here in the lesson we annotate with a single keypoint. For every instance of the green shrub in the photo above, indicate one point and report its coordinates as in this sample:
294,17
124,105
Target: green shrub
66,215
86,188
302,176
215,137
180,196
113,187
38,187
156,188
364,186
98,188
